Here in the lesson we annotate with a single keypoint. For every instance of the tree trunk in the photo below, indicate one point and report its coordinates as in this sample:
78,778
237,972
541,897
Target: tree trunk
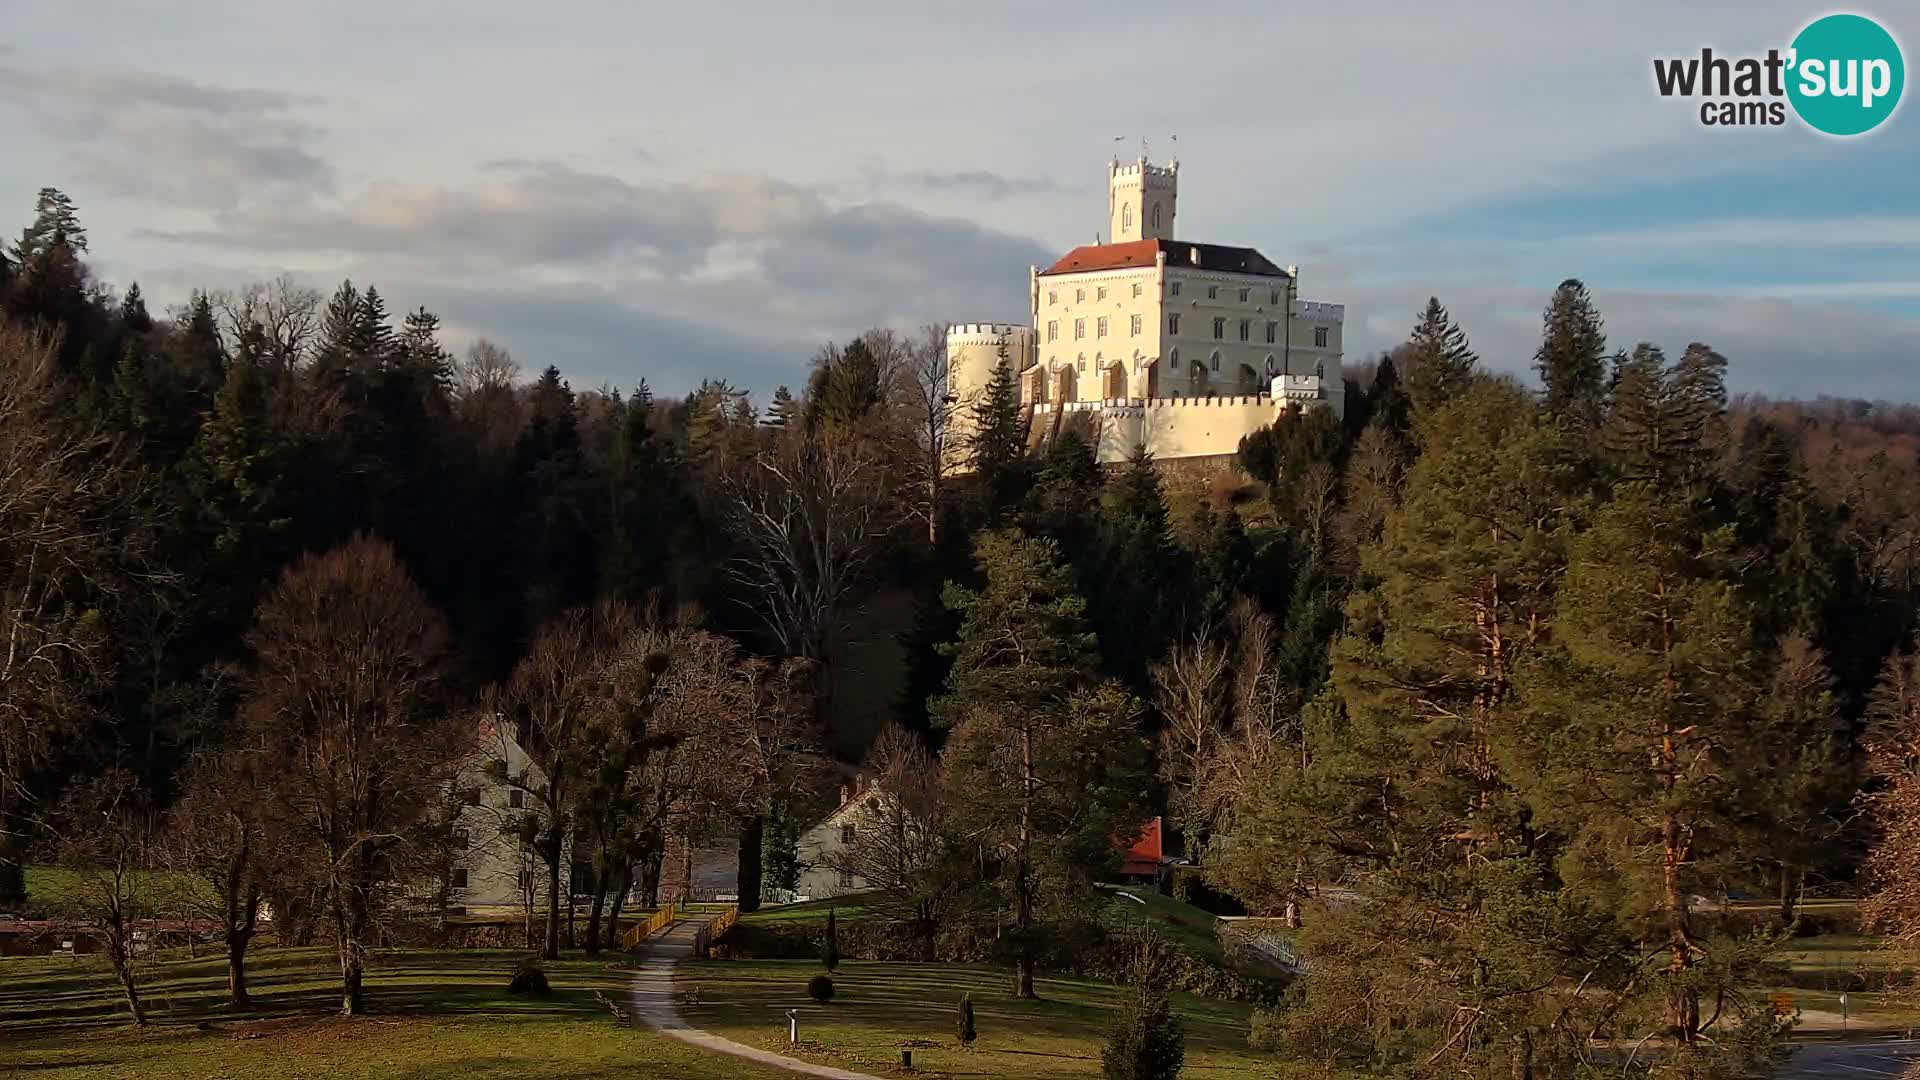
13,870
353,962
1522,1063
1789,895
593,917
550,949
650,878
118,951
1023,889
752,847
622,880
237,969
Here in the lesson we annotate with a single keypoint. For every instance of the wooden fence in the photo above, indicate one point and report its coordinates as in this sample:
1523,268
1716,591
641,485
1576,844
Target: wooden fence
659,921
715,930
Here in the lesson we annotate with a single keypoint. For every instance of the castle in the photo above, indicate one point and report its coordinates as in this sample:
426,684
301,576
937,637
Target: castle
1183,347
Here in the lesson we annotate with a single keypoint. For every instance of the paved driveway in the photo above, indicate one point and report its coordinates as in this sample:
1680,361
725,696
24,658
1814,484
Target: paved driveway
1850,1060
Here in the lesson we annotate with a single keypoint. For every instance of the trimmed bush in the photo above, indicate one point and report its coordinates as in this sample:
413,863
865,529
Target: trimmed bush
965,1027
820,989
1146,1042
529,980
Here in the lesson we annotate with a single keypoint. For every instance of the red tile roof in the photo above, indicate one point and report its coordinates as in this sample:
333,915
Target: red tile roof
1143,858
1237,260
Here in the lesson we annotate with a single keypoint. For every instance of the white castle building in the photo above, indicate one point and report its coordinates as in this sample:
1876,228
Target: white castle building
1182,346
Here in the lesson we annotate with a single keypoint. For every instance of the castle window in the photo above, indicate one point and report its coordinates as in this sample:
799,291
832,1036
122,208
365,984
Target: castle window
1156,215
1100,293
1213,292
1175,287
1126,217
1079,329
1246,326
1100,327
1079,296
1219,329
1081,364
1173,359
1320,336
1136,322
1052,297
1244,293
1320,369
1273,328
1273,297
1136,290
1173,323
1213,361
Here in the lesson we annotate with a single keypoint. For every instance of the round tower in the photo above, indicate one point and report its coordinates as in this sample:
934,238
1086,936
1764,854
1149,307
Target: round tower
973,351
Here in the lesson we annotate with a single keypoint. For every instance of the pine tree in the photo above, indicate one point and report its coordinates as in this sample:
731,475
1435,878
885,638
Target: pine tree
133,311
1137,492
830,945
1572,355
845,385
964,1029
1440,361
783,410
1044,765
56,223
998,449
1664,420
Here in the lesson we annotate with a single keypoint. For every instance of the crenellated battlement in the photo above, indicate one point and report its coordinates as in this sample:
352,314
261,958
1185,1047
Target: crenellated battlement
1314,309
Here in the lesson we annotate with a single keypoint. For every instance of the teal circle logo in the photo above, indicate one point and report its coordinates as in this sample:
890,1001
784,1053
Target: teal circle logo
1845,74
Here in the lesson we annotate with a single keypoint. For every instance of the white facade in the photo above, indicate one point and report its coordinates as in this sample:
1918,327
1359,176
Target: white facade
492,866
1136,325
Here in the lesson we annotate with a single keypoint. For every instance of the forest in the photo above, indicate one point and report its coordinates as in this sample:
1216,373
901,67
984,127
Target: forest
1502,690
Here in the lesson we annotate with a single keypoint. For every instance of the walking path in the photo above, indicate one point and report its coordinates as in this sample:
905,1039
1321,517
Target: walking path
652,999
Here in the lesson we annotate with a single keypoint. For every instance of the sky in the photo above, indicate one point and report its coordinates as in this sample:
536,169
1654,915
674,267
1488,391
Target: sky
628,189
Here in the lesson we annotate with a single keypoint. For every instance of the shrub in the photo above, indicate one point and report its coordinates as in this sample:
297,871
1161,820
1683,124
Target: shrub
1188,884
966,1030
1146,1042
529,979
820,989
830,949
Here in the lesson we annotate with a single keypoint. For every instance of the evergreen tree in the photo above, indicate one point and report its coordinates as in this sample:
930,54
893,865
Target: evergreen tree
1664,420
56,223
783,410
1044,766
998,448
133,311
845,385
1572,355
1440,361
830,945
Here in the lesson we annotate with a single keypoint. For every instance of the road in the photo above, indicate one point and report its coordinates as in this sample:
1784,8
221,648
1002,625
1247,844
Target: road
1850,1060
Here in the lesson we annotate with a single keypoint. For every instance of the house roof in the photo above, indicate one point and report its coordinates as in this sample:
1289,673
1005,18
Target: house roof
1143,858
1236,260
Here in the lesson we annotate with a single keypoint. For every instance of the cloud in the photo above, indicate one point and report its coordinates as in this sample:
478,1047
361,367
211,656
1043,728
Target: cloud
980,183
148,135
716,276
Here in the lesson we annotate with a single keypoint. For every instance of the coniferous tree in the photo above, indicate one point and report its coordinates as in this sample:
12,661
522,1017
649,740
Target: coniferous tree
998,450
1440,360
783,410
1663,420
1572,356
133,311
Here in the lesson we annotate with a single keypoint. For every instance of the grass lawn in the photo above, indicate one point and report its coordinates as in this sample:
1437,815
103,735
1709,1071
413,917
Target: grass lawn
850,906
878,1006
438,1014
1183,925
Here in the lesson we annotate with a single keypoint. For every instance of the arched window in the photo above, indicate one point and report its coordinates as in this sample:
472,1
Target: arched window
1320,369
1271,372
1173,360
1213,362
1126,217
1156,215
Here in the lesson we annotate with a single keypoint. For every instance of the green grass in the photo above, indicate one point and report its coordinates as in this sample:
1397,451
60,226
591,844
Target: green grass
1186,927
436,1014
878,1006
845,908
56,890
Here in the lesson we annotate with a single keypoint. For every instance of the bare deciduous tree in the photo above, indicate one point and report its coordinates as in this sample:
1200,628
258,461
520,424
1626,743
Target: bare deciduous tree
926,401
348,703
285,313
221,833
809,513
105,829
65,494
897,838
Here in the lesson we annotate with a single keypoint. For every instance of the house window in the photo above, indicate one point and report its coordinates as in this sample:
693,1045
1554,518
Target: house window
1100,327
1079,296
461,838
1246,327
1173,360
1079,329
1244,293
1053,329
1173,324
517,799
1100,293
1136,326
1219,329
1213,292
1136,289
847,833
1273,328
459,877
472,795
1176,288
1320,336
846,879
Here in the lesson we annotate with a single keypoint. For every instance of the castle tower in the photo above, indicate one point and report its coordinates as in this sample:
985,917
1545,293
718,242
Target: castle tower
973,351
1140,199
